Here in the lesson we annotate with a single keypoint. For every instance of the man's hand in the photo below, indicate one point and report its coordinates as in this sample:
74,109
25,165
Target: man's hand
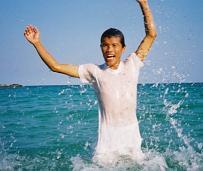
139,1
32,34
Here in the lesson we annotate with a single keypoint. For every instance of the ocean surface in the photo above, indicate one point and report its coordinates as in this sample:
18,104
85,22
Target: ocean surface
55,128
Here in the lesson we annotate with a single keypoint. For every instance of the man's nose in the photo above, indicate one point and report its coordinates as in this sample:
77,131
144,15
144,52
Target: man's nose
109,48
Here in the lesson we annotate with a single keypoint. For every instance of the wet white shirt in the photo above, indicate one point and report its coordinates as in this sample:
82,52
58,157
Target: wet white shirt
116,89
117,96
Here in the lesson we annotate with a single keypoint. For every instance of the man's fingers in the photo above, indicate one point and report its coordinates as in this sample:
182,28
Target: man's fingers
31,33
35,30
31,29
28,29
26,32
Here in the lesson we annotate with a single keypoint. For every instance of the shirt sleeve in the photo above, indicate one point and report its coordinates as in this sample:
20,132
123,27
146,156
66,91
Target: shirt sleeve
136,60
86,73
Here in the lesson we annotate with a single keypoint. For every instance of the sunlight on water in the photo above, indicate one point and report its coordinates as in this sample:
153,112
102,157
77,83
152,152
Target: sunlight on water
64,136
45,128
182,157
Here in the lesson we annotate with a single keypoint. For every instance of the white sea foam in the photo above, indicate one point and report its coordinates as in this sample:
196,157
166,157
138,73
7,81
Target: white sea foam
153,161
184,159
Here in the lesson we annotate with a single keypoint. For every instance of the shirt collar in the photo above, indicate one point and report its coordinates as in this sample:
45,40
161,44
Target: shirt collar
107,68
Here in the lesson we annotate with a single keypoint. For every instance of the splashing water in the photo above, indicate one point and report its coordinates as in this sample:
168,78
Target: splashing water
55,127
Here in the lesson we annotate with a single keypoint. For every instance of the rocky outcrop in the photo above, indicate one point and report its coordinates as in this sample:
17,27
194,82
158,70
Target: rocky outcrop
10,85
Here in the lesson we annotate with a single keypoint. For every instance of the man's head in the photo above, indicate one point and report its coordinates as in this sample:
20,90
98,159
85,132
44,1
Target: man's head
112,46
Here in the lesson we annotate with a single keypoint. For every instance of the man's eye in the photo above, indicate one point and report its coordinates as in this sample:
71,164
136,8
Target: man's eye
103,45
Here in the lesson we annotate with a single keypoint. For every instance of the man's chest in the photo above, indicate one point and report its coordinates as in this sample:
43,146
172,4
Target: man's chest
116,83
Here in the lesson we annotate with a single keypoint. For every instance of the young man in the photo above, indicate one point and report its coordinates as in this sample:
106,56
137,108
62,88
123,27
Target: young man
115,83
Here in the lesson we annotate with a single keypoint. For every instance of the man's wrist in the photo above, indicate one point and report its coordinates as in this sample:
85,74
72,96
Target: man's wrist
143,4
37,43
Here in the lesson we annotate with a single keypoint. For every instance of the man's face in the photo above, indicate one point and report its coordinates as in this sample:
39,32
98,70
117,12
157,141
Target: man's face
112,50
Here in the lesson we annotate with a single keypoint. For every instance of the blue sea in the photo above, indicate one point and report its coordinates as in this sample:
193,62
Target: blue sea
55,128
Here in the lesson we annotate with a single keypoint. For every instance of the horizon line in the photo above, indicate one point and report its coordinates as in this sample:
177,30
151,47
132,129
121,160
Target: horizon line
138,84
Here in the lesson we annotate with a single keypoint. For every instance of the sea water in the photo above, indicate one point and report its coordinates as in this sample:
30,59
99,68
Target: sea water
55,128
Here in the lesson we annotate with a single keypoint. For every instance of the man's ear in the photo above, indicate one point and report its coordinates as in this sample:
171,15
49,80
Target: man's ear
123,50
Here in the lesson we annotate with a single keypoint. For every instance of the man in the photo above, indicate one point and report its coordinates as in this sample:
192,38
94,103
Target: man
115,83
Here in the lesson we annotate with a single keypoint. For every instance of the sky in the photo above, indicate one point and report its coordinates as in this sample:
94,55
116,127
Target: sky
71,29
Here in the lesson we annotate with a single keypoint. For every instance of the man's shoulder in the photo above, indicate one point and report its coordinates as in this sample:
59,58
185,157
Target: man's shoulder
91,67
133,58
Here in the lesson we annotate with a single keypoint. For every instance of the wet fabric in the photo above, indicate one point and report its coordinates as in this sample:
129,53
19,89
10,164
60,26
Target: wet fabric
117,96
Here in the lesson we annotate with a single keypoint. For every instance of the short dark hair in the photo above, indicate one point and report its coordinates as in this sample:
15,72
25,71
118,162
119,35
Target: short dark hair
113,32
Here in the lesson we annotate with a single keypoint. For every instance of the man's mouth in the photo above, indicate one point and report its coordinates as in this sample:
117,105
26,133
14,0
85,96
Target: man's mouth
110,57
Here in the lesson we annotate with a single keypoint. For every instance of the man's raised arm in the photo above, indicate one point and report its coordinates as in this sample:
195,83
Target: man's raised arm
150,30
32,35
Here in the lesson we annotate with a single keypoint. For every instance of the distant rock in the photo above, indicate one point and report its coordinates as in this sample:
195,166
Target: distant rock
10,85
